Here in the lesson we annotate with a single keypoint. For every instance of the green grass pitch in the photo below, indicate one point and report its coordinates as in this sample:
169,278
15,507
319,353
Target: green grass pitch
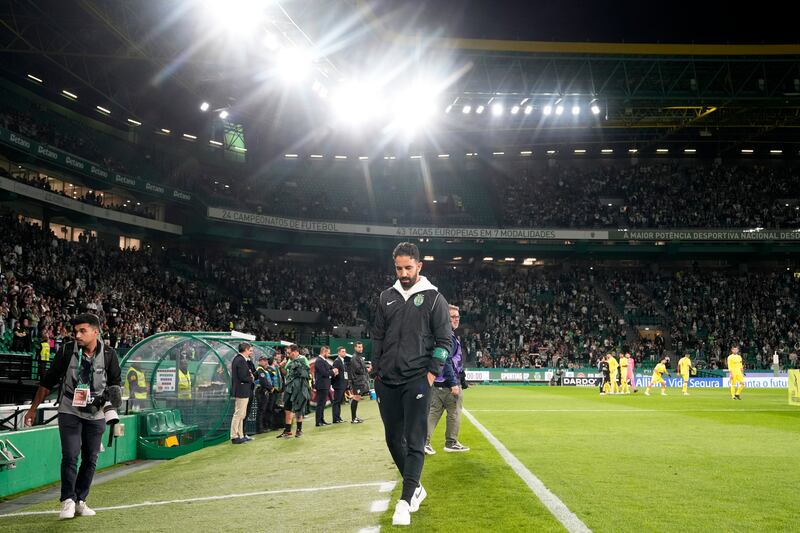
621,463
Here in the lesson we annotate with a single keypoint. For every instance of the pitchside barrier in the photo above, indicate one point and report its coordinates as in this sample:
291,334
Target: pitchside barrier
589,377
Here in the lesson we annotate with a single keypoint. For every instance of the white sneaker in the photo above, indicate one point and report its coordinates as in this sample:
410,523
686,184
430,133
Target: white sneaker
647,393
402,514
417,498
429,450
67,509
84,510
457,447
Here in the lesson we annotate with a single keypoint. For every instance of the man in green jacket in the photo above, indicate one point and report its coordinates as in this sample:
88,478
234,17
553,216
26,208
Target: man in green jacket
297,392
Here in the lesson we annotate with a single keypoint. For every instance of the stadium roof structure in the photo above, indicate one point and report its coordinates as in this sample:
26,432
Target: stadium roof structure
155,62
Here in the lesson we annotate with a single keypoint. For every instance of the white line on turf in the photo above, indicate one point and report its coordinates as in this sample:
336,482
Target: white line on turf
633,410
388,486
212,498
568,519
373,529
379,506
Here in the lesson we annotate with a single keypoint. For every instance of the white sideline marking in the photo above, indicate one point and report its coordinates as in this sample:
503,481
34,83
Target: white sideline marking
211,498
568,519
388,486
633,410
372,529
379,506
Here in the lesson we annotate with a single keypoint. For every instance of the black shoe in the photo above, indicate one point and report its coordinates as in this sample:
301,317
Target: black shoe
284,435
298,434
238,441
338,421
321,424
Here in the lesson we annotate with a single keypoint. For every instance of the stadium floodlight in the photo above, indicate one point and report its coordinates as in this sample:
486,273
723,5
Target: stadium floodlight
294,64
165,131
546,110
551,152
576,110
290,156
579,151
190,137
448,108
607,151
204,107
416,107
70,95
497,109
355,102
689,151
340,157
487,259
428,258
271,42
595,109
509,259
34,78
662,150
457,258
526,153
633,150
747,150
480,109
103,110
224,114
528,109
776,152
316,156
237,18
416,156
515,110
134,122
215,143
443,156
559,109
467,109
363,158
498,153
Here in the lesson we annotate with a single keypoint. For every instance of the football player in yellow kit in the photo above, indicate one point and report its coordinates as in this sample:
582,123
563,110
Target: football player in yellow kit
685,368
613,368
658,378
736,369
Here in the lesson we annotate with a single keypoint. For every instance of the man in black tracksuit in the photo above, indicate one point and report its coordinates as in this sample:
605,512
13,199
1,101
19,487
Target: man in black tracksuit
411,340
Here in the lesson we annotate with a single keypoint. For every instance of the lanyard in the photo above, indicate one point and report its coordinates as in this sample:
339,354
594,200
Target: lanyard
80,368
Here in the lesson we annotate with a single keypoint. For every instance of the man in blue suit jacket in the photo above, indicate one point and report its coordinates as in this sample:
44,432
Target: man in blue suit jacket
241,387
322,383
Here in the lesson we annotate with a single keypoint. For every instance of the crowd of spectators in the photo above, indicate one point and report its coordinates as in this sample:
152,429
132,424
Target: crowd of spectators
511,317
650,195
712,310
90,197
613,195
136,293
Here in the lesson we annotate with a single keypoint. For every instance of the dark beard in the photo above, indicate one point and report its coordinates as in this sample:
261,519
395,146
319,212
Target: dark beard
410,283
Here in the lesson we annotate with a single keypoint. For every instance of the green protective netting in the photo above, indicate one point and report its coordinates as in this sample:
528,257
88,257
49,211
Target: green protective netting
166,358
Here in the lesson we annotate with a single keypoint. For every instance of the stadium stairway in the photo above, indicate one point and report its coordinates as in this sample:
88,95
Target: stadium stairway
669,349
630,332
